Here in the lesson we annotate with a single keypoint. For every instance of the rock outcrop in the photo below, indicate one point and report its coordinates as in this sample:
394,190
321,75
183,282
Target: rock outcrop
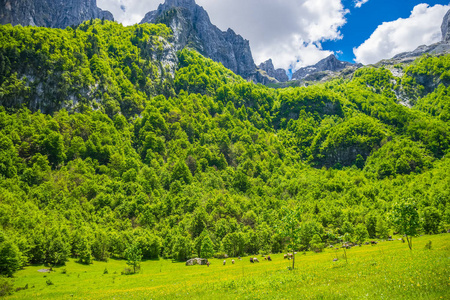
50,13
445,27
196,261
331,63
192,27
279,74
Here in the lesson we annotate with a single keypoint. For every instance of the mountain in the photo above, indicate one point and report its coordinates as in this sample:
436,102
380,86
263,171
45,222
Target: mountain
278,74
192,27
331,63
445,27
50,13
103,149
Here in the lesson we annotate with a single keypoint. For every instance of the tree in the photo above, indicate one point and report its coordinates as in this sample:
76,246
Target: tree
316,243
234,243
430,220
58,249
84,251
360,233
10,258
406,219
382,229
182,248
207,249
199,220
133,255
371,224
290,228
241,182
181,172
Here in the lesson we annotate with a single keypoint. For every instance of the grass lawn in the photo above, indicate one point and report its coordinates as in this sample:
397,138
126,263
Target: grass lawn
384,271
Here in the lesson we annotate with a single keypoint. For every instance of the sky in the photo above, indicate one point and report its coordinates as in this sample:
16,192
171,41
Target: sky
298,33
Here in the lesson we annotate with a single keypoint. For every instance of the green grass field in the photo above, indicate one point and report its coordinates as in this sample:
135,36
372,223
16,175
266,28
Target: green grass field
384,271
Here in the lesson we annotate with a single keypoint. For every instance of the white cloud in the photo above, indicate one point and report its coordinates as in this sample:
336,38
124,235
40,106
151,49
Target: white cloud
288,31
359,3
128,12
391,38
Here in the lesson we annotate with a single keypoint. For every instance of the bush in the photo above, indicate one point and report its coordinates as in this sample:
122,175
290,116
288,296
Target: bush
6,286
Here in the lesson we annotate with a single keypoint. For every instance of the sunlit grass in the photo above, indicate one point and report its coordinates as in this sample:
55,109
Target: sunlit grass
387,270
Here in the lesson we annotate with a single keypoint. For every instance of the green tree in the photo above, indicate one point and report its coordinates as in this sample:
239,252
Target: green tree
181,172
406,219
371,224
133,255
57,249
182,248
10,258
233,243
430,220
316,243
207,249
361,233
382,228
84,251
290,228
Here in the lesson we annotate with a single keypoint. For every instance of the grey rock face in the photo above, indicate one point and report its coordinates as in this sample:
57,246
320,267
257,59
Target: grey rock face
331,63
445,27
192,27
50,13
196,261
278,74
438,48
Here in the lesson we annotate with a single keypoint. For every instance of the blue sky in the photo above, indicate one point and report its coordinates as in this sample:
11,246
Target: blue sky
362,22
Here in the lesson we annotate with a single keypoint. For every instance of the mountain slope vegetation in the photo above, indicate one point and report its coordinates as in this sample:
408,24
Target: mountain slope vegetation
105,144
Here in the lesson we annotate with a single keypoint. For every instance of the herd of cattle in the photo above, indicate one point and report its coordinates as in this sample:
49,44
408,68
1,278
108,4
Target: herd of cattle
291,255
252,260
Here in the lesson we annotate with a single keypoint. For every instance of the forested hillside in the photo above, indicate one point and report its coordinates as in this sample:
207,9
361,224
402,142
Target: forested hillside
106,143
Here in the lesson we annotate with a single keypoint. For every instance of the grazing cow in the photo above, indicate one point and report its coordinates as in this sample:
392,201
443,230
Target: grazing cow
224,262
285,256
269,258
232,261
255,259
251,260
373,242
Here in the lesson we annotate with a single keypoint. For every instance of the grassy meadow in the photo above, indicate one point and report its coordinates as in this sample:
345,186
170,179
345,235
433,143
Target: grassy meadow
386,270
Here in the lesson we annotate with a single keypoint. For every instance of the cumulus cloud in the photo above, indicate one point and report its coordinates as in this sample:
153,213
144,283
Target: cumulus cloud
391,38
128,12
288,31
359,3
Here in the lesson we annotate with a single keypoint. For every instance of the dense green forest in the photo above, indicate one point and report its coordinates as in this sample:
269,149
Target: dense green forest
106,146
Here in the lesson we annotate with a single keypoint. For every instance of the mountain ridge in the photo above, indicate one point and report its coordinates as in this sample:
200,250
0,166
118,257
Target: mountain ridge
48,13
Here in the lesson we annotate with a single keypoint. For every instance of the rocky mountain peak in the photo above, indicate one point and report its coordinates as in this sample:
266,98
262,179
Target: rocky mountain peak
445,27
179,3
192,27
50,13
330,63
279,74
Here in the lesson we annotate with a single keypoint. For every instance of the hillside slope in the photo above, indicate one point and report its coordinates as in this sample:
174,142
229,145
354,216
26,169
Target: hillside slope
103,148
